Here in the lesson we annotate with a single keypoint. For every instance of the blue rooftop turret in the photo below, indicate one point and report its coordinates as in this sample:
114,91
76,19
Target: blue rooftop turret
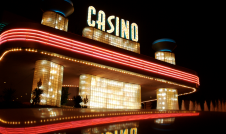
165,44
64,7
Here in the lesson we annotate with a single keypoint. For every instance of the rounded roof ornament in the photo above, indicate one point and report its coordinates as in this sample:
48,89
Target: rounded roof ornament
164,44
64,7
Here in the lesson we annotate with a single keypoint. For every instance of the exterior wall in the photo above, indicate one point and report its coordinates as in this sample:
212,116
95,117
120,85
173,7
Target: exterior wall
51,75
106,93
98,35
55,20
165,56
167,98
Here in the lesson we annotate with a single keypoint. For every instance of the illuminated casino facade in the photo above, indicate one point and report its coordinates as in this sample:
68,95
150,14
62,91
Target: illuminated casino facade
107,68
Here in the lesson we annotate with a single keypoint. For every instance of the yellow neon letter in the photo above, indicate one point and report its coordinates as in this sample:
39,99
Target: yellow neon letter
134,35
124,29
91,11
117,26
110,24
125,131
101,20
133,130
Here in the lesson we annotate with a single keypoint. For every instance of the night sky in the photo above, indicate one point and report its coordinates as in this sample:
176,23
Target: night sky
197,29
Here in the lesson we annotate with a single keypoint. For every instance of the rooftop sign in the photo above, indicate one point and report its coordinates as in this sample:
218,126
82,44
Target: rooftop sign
126,30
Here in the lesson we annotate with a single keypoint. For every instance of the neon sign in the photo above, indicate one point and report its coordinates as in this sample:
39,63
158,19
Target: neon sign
126,31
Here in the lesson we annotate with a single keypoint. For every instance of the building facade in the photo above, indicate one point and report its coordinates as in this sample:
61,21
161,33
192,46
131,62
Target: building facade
105,68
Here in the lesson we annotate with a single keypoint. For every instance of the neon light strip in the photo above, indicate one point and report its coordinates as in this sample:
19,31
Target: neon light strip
79,47
89,122
64,42
95,56
92,50
108,57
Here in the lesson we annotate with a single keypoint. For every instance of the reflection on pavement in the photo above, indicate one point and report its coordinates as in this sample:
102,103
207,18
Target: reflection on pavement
165,121
125,128
57,119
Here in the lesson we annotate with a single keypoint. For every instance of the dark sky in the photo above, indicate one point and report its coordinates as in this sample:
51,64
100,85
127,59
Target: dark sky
197,28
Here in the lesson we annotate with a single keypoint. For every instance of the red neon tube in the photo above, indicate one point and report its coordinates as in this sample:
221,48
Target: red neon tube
72,45
89,46
86,48
17,32
88,122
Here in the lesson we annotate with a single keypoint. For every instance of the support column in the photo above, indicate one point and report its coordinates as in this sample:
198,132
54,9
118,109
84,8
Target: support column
111,94
51,75
167,98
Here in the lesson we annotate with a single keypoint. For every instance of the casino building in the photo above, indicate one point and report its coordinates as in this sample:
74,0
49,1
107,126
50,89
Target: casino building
107,69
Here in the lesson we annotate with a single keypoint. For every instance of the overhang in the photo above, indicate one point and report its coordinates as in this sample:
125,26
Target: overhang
48,40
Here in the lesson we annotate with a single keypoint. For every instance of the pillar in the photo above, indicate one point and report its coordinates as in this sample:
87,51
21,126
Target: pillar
110,94
51,75
167,98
